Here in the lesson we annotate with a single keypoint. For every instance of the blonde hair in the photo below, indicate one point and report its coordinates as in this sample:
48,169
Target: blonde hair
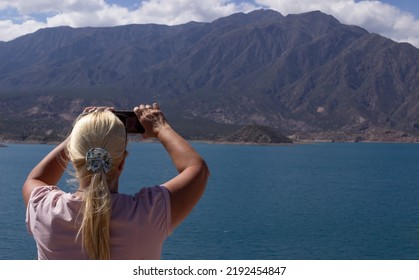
97,130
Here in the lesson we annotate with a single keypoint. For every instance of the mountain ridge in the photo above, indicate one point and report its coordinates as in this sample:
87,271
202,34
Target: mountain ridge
307,75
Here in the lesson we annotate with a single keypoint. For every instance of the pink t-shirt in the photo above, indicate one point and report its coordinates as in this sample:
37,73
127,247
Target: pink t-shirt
139,223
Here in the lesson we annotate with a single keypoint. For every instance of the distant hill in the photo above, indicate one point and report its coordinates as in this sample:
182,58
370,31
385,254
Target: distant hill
307,75
257,134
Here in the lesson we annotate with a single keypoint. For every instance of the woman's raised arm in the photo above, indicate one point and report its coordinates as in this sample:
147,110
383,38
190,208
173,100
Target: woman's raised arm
188,186
47,172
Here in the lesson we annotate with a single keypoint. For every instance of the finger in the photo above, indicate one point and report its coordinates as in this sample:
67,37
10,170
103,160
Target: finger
86,111
156,106
139,110
147,106
90,109
103,108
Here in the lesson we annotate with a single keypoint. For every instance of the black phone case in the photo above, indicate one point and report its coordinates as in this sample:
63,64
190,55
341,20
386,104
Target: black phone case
130,120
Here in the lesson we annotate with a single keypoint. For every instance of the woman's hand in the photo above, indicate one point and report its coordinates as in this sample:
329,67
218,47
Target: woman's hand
92,109
152,119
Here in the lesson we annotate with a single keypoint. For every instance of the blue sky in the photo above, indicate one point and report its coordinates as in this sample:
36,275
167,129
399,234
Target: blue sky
395,19
405,5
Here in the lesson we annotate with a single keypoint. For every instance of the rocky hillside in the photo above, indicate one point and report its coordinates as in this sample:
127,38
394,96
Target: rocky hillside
305,74
257,134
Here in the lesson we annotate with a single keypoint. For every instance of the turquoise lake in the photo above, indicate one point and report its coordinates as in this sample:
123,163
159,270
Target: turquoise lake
333,201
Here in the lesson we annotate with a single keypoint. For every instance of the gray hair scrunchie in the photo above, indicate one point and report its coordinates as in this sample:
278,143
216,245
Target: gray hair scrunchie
97,159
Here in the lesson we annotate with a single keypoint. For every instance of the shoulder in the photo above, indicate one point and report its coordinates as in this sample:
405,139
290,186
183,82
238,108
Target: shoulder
44,192
152,194
150,203
146,196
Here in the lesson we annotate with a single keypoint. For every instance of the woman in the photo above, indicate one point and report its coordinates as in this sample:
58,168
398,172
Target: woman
96,221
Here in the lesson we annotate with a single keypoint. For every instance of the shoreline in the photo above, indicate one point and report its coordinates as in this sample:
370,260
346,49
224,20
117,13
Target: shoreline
3,143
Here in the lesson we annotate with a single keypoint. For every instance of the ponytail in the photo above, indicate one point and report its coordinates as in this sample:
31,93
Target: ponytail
96,209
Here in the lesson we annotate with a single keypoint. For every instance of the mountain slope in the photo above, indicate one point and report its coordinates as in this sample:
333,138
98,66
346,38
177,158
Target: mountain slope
306,74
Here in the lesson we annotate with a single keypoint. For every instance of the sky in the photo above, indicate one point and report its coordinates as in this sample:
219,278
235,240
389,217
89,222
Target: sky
395,19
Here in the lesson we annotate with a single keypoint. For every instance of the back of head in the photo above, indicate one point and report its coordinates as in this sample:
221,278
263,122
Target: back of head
97,130
104,131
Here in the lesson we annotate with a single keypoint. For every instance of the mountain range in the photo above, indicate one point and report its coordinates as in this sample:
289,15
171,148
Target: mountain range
307,75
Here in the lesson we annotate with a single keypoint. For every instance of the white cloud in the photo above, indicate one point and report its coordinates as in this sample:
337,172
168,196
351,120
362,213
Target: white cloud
45,6
74,13
10,30
79,13
107,16
181,11
374,16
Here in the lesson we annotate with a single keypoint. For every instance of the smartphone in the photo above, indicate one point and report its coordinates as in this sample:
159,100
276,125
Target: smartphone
130,120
